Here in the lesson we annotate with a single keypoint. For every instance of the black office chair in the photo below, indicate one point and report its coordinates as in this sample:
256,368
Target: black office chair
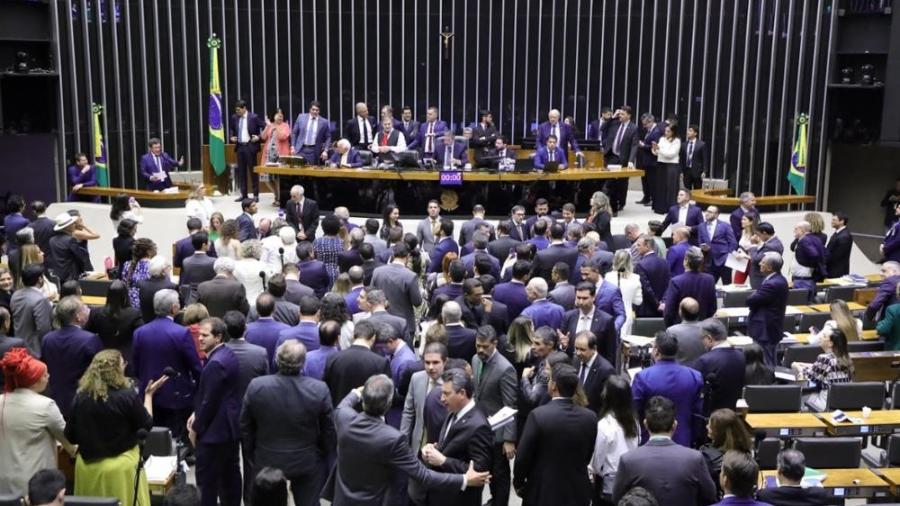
895,396
868,323
366,157
767,453
94,287
736,299
798,297
816,320
855,396
159,442
840,292
892,455
773,398
647,327
825,453
801,353
861,346
74,500
11,500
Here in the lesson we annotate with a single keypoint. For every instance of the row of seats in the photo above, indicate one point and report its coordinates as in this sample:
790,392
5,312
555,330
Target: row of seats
71,500
843,396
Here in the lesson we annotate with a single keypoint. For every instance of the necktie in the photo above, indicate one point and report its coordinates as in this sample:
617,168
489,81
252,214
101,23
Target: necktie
384,139
450,423
448,157
583,374
521,235
366,130
300,208
243,124
424,439
158,164
556,131
553,155
428,146
619,136
310,132
690,153
435,227
479,371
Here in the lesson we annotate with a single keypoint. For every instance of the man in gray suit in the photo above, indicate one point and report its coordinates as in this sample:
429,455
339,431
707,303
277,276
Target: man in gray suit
300,449
372,238
468,228
427,228
370,452
665,468
294,289
563,292
401,288
379,314
32,313
495,388
688,332
223,293
285,311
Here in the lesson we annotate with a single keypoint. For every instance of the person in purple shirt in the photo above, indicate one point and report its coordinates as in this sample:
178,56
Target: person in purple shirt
539,234
809,260
890,249
675,255
542,311
155,166
680,384
14,221
513,293
887,289
265,330
307,330
80,175
329,332
609,297
695,284
357,275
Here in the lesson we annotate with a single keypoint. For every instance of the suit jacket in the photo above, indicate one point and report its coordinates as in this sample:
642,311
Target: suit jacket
765,323
460,342
419,141
756,254
217,405
196,269
739,501
255,126
542,157
698,285
441,247
401,287
353,158
314,274
468,228
609,300
520,232
545,313
425,234
546,258
735,220
723,374
694,216
892,243
564,295
690,341
681,384
458,151
296,448
43,231
699,158
296,290
469,439
87,179
656,270
499,247
720,244
68,353
627,146
67,258
308,217
475,316
645,156
147,288
321,138
513,295
553,453
482,142
410,129
595,381
371,453
565,141
221,295
794,496
883,298
496,387
32,317
307,332
675,257
352,133
412,422
246,228
148,168
667,470
350,368
810,252
602,325
597,130
264,332
253,362
840,244
468,262
162,343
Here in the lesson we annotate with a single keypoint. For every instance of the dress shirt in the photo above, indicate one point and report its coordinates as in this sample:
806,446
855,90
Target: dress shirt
365,133
682,213
585,369
456,416
584,322
243,133
690,153
429,138
312,128
619,134
711,228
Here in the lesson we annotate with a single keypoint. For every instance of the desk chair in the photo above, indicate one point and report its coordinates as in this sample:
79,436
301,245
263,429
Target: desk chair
159,442
736,299
855,396
816,320
773,398
895,396
825,453
798,297
11,500
801,353
74,500
647,327
840,292
868,323
366,157
767,451
94,287
892,455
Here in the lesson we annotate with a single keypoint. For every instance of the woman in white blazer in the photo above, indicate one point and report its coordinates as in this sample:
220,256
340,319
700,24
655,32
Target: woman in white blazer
668,156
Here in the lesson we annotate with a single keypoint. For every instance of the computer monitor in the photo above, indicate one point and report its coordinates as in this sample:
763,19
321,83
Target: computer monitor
551,166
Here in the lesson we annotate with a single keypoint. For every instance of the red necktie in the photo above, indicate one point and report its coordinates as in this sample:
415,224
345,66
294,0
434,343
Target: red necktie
384,140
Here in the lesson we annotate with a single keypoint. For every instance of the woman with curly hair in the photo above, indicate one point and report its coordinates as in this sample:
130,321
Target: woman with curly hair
334,307
106,416
138,268
329,246
227,244
216,220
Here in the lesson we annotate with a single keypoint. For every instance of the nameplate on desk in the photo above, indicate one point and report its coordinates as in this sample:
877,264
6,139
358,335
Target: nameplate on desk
451,178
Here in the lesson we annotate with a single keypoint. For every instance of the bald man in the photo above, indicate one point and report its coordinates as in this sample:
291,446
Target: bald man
688,332
563,132
360,129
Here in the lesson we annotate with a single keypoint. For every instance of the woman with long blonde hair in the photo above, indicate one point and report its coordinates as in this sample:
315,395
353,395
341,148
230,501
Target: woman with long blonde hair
32,254
107,414
199,206
600,216
629,283
841,318
519,337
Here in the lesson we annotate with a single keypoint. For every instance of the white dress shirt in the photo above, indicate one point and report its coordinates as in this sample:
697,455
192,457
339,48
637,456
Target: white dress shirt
609,447
668,150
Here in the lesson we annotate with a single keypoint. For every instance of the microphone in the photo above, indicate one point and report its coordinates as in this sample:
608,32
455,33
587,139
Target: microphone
281,255
262,276
170,372
142,434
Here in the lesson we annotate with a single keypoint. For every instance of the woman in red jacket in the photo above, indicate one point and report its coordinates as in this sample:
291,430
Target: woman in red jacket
277,142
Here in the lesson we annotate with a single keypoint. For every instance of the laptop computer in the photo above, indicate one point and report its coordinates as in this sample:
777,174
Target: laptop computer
551,166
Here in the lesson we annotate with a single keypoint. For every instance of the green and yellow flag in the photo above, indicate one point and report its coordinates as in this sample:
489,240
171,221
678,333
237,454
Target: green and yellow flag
216,132
99,148
797,175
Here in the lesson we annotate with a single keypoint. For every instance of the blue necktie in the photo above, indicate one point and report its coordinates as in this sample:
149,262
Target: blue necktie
309,132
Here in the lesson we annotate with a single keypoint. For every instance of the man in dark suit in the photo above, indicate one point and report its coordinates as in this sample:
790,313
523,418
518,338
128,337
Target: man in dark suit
163,343
68,351
563,293
551,152
408,124
294,289
598,128
460,340
469,228
748,206
717,241
264,331
349,258
214,426
246,227
223,293
518,229
401,288
496,388
692,283
739,478
430,133
620,149
683,214
808,266
791,466
656,272
694,159
465,437
484,137
480,257
302,213
155,166
159,280
651,132
512,294
369,262
840,244
345,155
593,370
722,368
763,240
301,449
185,247
554,126
609,297
505,157
311,135
478,306
371,452
767,305
68,258
197,267
42,225
348,369
313,273
586,317
449,154
500,247
360,130
453,288
556,447
307,329
887,289
546,259
680,245
443,244
663,467
246,128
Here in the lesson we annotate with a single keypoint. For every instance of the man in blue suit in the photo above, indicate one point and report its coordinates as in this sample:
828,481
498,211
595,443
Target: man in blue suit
68,351
765,323
716,241
609,297
887,289
307,330
214,426
246,227
513,293
429,133
450,154
809,260
265,330
550,153
311,135
652,132
656,272
700,286
748,206
313,273
683,213
680,384
620,148
553,127
586,317
443,244
246,127
162,343
155,166
764,242
680,245
542,311
739,478
184,247
722,368
345,155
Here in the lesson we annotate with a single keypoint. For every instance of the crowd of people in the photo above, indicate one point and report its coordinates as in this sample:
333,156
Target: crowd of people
364,363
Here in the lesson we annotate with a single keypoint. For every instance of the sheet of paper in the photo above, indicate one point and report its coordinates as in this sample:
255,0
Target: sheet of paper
159,469
502,417
736,263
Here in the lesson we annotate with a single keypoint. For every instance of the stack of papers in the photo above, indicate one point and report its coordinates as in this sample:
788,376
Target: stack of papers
639,340
502,417
160,469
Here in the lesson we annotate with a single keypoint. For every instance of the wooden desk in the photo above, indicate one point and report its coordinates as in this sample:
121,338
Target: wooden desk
890,475
876,365
721,198
744,312
93,300
883,421
825,308
144,197
867,335
424,175
857,482
786,425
